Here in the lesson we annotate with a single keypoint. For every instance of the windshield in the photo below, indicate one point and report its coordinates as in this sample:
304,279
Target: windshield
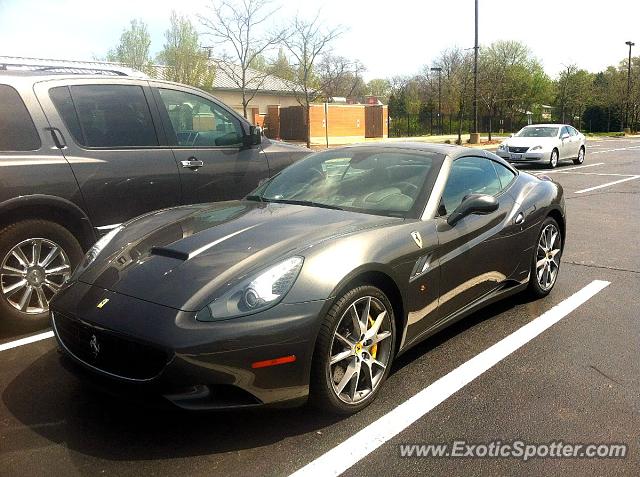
533,131
362,179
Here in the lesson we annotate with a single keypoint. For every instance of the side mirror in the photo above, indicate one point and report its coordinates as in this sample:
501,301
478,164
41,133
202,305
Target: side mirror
254,137
480,204
564,136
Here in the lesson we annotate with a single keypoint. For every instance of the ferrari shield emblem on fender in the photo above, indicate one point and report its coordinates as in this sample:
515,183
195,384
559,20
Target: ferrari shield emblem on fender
417,238
102,303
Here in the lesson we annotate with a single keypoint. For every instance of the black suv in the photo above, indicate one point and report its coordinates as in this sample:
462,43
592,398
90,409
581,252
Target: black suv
79,155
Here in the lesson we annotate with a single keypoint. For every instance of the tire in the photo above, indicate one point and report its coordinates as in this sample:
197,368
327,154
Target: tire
540,288
20,308
553,160
580,158
327,378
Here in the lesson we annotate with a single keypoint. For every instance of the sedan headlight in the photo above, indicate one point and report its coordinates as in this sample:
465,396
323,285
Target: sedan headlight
536,148
257,293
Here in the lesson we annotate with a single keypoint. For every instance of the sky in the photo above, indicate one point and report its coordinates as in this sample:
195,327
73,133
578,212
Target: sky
391,38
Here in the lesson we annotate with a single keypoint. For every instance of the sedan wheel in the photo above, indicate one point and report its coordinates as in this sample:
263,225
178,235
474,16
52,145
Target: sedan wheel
546,264
354,351
580,158
553,162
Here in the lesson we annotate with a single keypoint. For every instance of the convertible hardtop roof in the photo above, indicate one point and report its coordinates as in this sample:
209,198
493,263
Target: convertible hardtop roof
451,150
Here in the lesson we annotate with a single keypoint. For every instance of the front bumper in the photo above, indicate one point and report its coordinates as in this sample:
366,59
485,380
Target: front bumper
133,347
536,156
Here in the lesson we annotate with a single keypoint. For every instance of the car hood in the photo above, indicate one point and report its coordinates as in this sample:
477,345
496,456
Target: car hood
530,141
185,257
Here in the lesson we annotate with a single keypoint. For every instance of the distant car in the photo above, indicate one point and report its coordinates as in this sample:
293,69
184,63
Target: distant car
81,154
544,143
313,283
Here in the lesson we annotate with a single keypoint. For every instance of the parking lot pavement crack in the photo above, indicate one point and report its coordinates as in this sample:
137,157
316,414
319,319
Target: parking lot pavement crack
605,267
606,376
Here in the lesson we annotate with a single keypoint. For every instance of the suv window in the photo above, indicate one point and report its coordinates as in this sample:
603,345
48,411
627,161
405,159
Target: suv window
469,175
106,115
505,174
198,122
17,131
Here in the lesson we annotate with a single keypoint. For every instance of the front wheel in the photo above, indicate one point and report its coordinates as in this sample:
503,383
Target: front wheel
580,158
36,258
354,351
546,259
553,161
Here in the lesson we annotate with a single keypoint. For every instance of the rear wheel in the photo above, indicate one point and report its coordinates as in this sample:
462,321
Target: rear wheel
36,258
354,351
553,161
580,158
546,259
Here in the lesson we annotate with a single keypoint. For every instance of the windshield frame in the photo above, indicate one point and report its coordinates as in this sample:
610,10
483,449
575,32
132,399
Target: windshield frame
415,212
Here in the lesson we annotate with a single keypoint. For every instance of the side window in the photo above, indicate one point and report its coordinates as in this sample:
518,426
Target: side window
505,174
469,175
17,131
565,130
198,122
573,131
106,115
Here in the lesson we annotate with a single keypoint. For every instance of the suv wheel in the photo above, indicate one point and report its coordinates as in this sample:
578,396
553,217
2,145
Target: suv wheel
36,258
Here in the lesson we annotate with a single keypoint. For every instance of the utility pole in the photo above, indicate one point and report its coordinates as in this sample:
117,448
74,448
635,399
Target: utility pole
439,70
626,114
475,135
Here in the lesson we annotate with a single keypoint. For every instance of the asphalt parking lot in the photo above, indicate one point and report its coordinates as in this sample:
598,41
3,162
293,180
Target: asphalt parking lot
577,381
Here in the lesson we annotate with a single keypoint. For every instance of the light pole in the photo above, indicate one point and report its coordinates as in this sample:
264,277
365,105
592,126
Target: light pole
475,135
439,70
626,114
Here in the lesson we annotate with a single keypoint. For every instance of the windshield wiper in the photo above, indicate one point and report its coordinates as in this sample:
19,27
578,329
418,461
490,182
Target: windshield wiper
256,198
305,202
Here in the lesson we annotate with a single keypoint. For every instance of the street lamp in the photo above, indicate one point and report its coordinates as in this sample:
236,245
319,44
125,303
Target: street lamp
439,70
626,114
475,136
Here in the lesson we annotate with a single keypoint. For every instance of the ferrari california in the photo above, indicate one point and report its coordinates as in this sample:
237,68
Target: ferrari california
311,286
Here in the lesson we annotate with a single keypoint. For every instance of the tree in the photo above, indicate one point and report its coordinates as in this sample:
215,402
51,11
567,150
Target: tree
379,87
185,61
306,41
133,49
340,76
238,27
281,67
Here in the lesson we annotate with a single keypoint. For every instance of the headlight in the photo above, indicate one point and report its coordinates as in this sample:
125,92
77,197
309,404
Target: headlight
254,294
94,251
502,147
536,148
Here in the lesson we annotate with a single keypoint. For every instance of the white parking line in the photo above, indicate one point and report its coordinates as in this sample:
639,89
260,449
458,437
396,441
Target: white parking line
607,184
358,446
572,168
25,341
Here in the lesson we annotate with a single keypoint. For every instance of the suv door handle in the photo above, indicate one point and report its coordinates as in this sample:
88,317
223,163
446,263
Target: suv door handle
192,163
58,138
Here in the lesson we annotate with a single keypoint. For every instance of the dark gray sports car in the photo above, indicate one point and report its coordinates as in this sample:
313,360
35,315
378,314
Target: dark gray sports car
314,283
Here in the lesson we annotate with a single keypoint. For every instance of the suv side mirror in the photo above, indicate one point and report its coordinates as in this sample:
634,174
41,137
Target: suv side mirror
254,137
481,204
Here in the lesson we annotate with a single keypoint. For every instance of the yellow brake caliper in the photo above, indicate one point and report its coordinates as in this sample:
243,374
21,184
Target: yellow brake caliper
374,348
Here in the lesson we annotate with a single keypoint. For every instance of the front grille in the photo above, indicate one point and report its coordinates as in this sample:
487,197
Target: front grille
518,150
109,352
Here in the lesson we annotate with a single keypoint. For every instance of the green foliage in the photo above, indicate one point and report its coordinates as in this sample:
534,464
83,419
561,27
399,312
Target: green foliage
133,49
183,58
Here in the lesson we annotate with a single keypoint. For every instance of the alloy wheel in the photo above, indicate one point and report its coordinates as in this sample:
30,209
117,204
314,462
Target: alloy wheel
581,156
32,272
548,257
361,350
554,159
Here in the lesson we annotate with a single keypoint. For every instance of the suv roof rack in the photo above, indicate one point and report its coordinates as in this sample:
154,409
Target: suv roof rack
51,66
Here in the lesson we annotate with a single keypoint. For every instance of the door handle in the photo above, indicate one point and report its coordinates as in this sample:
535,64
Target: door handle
58,138
192,163
519,219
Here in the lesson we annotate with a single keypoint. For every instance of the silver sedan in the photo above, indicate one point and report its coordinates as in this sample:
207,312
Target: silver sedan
544,143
